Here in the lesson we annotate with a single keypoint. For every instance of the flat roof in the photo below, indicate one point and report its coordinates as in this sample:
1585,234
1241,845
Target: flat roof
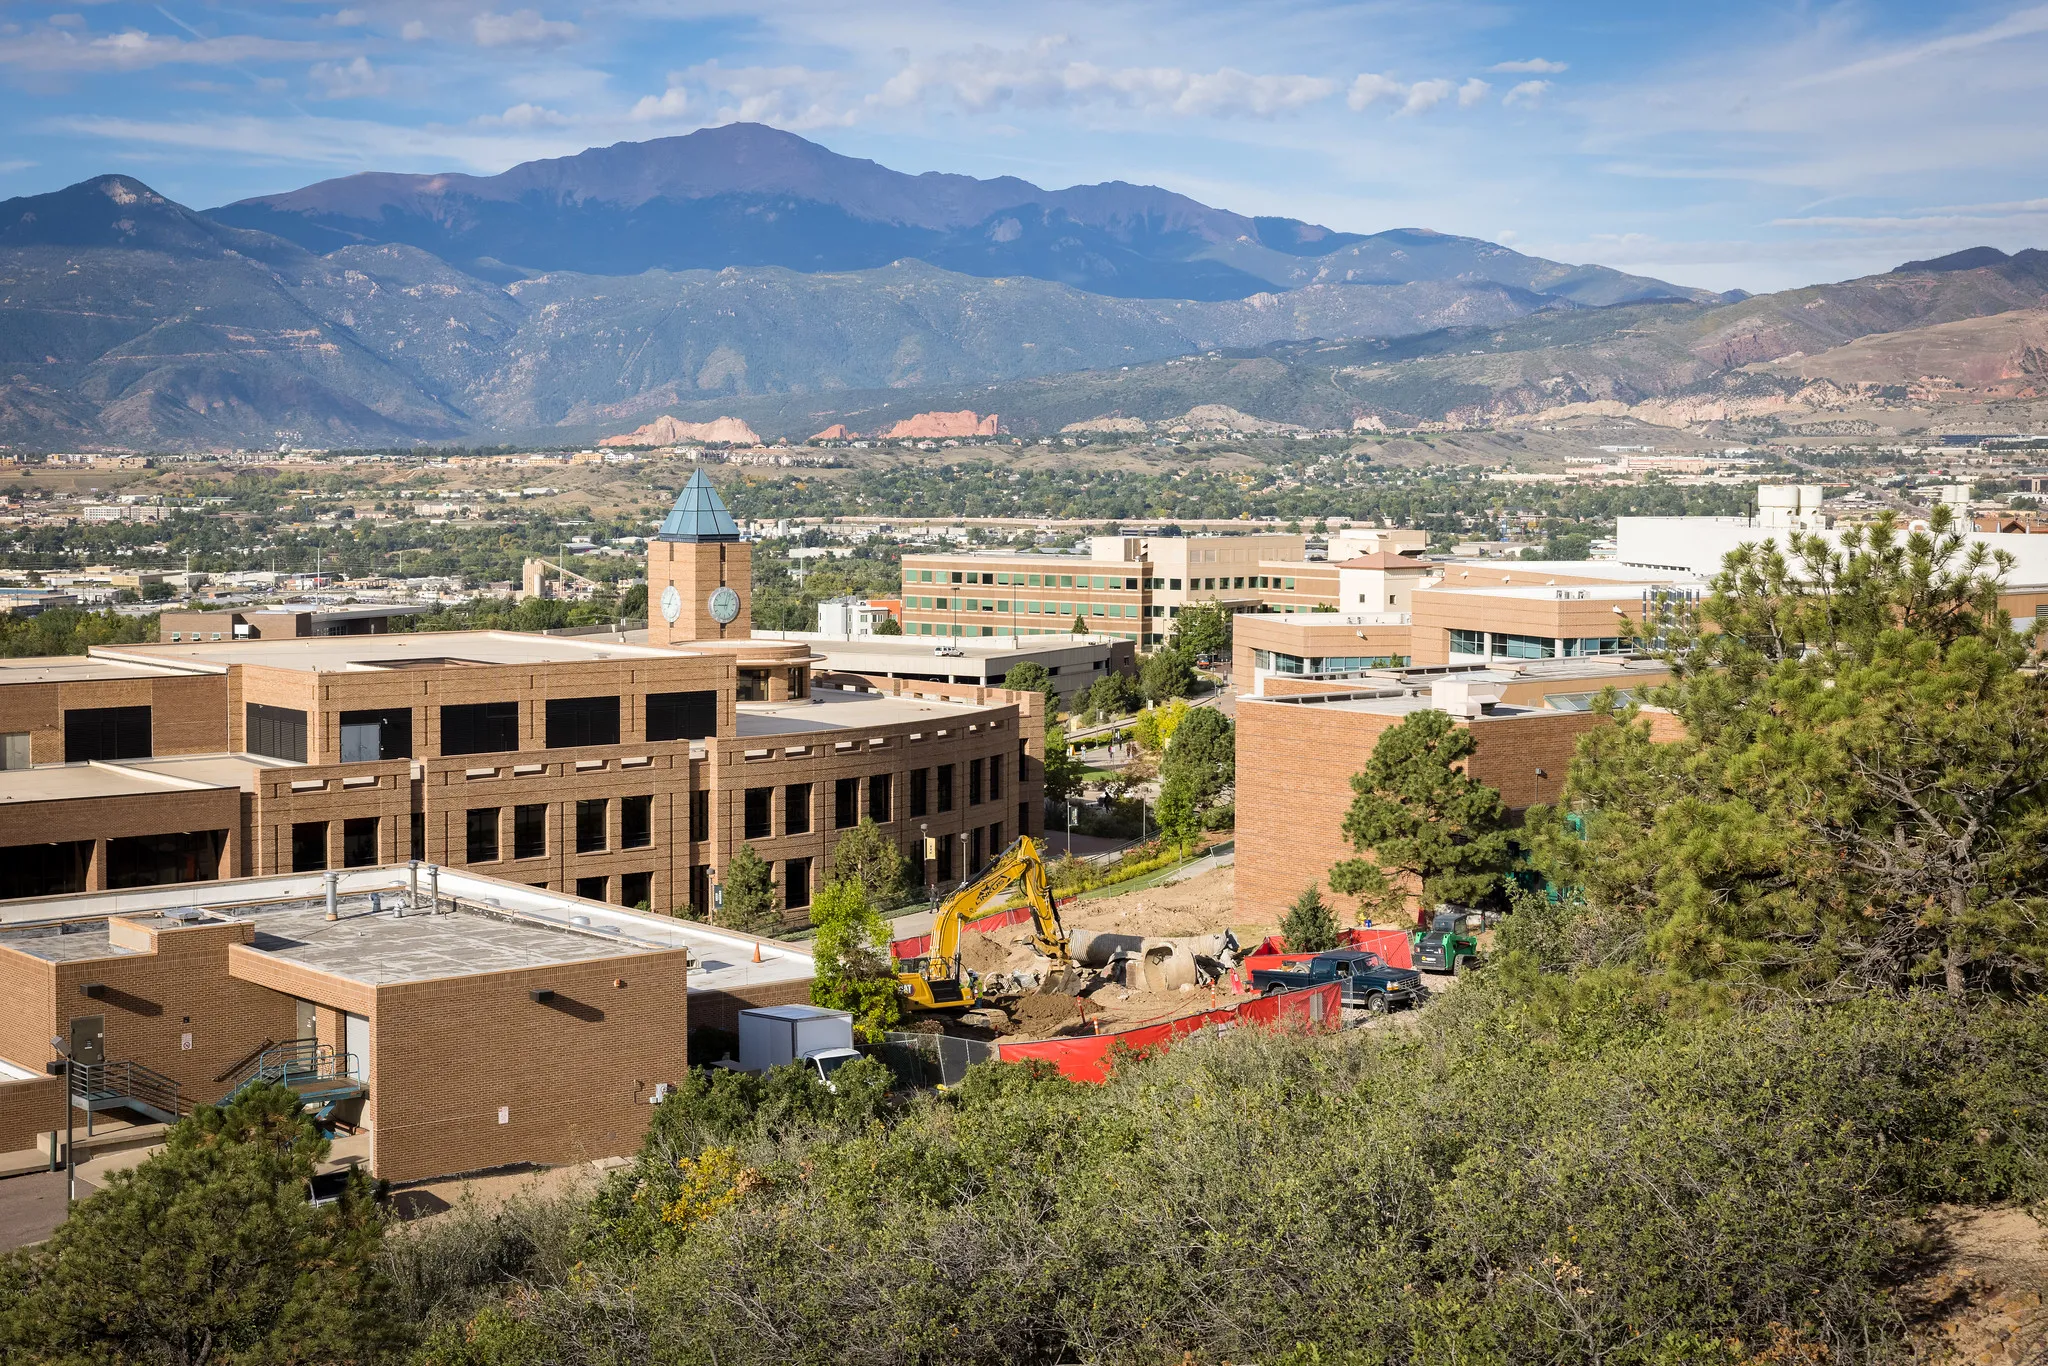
356,654
494,926
1391,702
830,710
79,669
218,770
1610,570
919,648
67,782
1544,592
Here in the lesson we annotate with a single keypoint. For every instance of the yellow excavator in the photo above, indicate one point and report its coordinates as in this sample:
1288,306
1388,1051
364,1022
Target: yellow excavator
937,981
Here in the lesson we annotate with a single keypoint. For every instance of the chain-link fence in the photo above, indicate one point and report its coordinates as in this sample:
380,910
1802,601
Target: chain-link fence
926,1060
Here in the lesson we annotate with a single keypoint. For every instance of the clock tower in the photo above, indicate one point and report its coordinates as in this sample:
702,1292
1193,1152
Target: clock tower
699,571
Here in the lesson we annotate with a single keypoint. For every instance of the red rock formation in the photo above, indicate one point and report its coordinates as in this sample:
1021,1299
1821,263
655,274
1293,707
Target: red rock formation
963,423
667,431
836,432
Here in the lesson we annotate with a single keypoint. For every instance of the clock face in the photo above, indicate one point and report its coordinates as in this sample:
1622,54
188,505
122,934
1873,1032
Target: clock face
725,605
671,604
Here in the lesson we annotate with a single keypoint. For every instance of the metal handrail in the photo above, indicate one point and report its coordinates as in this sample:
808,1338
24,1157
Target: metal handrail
295,1059
126,1080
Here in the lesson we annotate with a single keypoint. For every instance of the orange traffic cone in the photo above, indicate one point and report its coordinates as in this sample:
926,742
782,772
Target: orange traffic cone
757,950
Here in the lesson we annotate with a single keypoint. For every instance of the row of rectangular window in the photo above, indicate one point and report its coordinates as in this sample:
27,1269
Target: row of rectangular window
1506,646
468,728
1061,609
757,809
1106,582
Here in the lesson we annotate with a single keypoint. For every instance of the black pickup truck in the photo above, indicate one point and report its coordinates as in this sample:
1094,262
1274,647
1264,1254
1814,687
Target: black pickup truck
1364,979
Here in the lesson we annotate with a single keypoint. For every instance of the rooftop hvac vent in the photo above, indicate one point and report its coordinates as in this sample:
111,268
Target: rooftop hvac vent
185,915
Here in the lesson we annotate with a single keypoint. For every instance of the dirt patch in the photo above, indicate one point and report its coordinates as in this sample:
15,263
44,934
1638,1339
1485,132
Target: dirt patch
1982,1304
1204,904
1039,1015
988,952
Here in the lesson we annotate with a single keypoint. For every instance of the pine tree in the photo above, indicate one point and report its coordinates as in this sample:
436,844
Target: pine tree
749,902
1308,926
1080,623
1421,817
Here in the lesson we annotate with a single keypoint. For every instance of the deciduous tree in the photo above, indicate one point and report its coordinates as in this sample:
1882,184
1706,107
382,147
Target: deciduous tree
851,949
868,856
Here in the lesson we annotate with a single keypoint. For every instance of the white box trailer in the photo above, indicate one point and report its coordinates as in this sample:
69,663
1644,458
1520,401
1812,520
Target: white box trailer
771,1036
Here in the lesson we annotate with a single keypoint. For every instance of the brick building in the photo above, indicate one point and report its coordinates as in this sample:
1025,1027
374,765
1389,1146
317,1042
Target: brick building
459,1021
1297,752
618,771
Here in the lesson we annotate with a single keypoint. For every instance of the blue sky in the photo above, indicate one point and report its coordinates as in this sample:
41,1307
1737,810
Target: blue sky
1732,144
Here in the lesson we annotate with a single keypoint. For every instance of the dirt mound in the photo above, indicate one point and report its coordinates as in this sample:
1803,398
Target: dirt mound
1039,1015
984,952
1204,904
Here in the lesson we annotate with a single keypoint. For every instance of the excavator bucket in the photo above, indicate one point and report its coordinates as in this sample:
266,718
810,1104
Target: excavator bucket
1060,979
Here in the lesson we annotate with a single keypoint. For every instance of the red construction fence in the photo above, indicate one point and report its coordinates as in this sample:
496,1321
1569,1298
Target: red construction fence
1390,944
1090,1058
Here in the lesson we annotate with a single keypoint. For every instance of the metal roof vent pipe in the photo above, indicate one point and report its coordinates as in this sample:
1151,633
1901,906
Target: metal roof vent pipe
412,885
333,880
434,887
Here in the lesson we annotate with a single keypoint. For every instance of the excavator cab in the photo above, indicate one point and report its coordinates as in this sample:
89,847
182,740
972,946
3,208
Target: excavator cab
938,981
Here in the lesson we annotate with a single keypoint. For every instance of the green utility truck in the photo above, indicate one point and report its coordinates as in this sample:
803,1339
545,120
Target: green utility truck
1445,946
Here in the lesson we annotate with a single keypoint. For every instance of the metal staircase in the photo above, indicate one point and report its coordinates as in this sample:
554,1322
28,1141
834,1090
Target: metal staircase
324,1076
101,1086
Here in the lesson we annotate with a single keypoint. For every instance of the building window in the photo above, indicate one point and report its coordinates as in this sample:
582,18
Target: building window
945,861
995,839
995,776
1468,642
575,722
591,888
417,836
106,733
796,883
920,792
1524,647
275,732
700,889
590,825
682,715
974,782
480,728
530,831
760,820
309,846
796,809
753,686
980,858
483,835
845,803
700,814
1596,645
367,736
636,822
945,787
636,890
359,842
878,797
797,686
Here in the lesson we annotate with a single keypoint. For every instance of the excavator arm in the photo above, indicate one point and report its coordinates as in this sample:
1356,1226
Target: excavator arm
1019,864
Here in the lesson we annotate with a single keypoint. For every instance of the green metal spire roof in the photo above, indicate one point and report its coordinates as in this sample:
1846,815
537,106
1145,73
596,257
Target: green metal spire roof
699,515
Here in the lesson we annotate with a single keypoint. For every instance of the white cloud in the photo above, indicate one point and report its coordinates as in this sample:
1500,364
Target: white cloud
1424,96
1369,89
132,49
66,21
1043,75
15,165
521,28
347,81
1528,94
525,115
348,18
671,104
1533,65
413,31
1472,92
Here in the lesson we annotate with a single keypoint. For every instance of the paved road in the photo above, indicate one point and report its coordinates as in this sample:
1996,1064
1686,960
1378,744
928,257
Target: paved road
31,1207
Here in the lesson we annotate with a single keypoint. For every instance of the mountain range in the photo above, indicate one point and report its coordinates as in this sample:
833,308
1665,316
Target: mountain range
748,272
